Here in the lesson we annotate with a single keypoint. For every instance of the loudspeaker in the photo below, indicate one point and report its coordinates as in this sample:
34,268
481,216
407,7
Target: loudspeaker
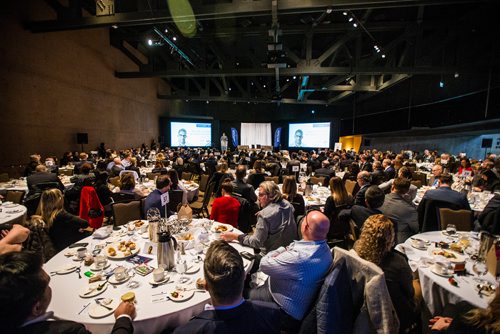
82,138
366,142
486,143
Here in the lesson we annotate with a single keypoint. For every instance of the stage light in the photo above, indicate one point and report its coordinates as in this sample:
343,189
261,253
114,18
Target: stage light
441,84
456,75
150,42
174,38
329,10
312,111
355,25
344,13
294,77
383,56
264,86
350,19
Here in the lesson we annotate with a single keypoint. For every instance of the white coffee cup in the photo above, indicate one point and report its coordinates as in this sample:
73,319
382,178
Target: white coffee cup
144,228
120,273
81,252
100,262
158,274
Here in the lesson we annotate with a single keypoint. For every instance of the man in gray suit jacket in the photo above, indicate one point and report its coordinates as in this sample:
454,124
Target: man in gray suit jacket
399,211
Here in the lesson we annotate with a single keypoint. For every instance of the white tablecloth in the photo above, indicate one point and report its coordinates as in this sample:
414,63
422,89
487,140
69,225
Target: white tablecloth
12,213
436,290
152,317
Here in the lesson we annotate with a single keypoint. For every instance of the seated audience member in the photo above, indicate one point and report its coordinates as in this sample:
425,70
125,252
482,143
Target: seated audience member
375,244
296,272
242,188
42,176
389,171
399,211
12,237
465,168
365,164
84,159
31,166
64,228
179,166
289,191
352,172
176,185
468,320
159,168
229,312
115,167
225,209
363,180
276,225
374,199
325,170
85,177
403,172
51,165
491,182
133,166
339,197
446,194
102,189
25,295
127,186
219,176
485,220
66,159
436,171
154,198
293,165
378,175
257,175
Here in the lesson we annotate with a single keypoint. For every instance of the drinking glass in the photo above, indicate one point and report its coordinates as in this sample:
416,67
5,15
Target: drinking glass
480,268
451,229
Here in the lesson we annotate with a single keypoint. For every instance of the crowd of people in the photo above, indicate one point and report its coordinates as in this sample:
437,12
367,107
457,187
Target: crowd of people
291,242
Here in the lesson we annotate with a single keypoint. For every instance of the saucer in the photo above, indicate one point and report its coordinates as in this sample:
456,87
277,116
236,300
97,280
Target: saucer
91,290
113,280
97,311
165,280
65,269
194,268
93,267
441,274
181,295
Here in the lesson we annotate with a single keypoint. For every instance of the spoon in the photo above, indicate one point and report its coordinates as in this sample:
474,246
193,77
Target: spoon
99,302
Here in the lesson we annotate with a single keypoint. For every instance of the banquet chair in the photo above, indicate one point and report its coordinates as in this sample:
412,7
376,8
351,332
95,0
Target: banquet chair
332,310
417,183
126,211
175,198
418,176
91,208
115,181
15,196
428,213
201,208
275,179
349,186
373,309
462,219
67,172
4,177
186,176
203,184
121,197
136,176
317,180
152,176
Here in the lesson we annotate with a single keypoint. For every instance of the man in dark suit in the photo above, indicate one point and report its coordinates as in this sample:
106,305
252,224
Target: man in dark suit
41,176
389,171
242,188
293,166
325,170
365,164
399,211
364,181
25,295
229,312
374,199
378,175
446,194
485,218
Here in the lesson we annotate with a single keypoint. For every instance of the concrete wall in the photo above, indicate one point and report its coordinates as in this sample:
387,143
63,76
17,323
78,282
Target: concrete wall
53,85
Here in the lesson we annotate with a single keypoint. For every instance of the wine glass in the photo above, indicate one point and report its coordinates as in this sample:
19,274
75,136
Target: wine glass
451,229
480,268
180,268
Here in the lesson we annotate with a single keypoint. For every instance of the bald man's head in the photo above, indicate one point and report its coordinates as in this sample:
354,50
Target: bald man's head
315,226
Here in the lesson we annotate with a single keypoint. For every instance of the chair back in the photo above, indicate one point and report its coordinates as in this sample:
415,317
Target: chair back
349,186
462,219
125,212
4,177
317,180
175,198
332,311
372,305
203,182
417,183
152,176
115,181
136,176
208,194
32,202
244,222
186,176
66,171
418,176
428,213
46,186
275,179
15,196
121,197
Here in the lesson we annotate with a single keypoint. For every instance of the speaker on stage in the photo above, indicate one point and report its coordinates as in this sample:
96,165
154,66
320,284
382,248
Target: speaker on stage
82,138
486,143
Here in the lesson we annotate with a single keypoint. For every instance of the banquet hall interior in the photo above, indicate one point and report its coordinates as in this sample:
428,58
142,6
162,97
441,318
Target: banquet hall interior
349,152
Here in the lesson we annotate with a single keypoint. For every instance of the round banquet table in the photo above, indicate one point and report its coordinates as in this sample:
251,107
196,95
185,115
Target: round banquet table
192,189
437,290
12,213
317,198
153,314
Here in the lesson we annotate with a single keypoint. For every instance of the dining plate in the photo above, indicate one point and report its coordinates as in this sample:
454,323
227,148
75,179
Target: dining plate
122,250
193,268
449,255
165,280
221,227
66,269
91,290
180,295
441,274
98,311
93,267
112,279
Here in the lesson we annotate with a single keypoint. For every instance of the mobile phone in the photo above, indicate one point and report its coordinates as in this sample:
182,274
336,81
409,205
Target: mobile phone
79,244
247,255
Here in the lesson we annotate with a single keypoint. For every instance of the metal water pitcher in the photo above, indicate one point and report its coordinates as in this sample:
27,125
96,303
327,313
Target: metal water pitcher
166,250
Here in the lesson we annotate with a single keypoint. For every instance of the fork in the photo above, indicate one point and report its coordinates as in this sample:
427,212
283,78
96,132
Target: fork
98,302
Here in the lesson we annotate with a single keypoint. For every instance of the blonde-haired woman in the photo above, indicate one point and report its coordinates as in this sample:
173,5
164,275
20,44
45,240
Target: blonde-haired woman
337,201
64,228
275,226
289,191
375,244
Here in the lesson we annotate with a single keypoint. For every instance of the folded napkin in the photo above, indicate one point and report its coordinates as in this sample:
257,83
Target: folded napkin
101,233
258,279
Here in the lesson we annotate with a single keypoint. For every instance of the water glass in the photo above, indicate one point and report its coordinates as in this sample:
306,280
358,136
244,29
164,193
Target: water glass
451,229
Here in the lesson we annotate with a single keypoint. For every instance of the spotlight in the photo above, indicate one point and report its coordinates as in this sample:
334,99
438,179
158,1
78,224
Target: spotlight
264,86
114,26
312,111
294,77
441,84
229,88
174,38
344,13
383,56
287,79
456,75
355,25
329,10
208,102
350,19
150,42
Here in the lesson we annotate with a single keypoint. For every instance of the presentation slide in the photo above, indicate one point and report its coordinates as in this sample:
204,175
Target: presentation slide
190,134
313,135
